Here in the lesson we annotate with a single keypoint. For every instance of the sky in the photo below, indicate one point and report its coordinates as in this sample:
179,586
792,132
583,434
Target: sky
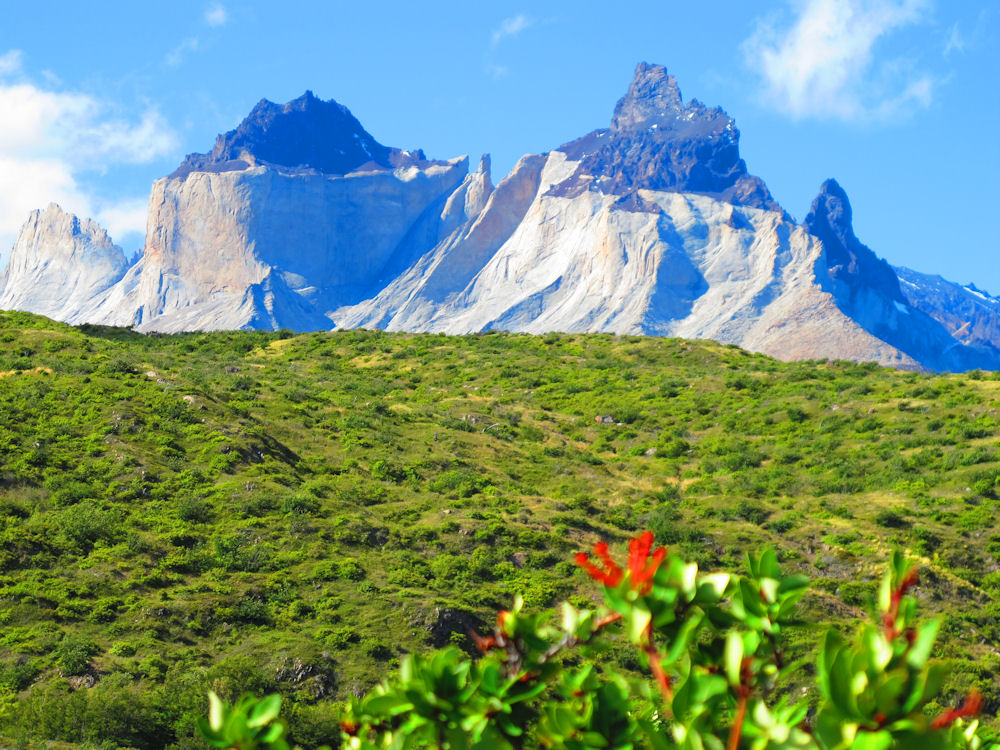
898,100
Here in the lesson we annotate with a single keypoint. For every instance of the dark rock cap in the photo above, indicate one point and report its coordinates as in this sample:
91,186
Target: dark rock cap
307,133
847,259
657,142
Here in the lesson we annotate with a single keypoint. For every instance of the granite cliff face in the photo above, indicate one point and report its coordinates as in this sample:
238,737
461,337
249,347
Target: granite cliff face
299,218
294,213
61,266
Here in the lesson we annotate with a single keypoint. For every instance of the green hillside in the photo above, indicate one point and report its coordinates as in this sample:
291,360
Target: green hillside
269,511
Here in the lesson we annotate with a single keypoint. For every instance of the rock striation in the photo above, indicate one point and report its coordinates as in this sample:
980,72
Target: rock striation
300,219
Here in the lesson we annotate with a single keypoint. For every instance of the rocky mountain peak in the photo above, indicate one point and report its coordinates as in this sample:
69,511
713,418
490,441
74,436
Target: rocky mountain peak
306,133
59,265
848,260
831,212
657,142
652,96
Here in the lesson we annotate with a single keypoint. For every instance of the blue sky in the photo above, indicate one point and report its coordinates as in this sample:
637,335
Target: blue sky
899,100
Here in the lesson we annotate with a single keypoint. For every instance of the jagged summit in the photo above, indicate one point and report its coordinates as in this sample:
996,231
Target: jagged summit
59,265
653,96
848,260
307,133
657,142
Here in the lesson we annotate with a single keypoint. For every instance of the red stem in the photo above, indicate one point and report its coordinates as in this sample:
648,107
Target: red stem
734,733
662,680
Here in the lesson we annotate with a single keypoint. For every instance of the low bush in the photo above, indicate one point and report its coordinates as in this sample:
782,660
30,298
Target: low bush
720,674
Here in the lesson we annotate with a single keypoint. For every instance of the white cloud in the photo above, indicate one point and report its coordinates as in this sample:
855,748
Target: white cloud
955,41
823,64
216,15
10,62
50,140
123,218
511,27
176,56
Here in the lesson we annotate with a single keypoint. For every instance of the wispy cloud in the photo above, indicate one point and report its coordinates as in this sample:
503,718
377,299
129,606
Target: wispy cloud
823,64
955,41
511,27
176,56
50,140
216,15
495,71
10,62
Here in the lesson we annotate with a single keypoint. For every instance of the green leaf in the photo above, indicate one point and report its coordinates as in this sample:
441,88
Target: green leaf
264,711
637,623
872,740
216,711
388,705
920,651
769,590
768,566
712,587
682,638
734,657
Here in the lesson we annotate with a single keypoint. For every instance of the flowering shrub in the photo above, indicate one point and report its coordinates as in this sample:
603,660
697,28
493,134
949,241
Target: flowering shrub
712,643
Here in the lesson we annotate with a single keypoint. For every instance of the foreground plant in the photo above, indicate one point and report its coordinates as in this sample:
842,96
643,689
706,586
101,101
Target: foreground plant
712,643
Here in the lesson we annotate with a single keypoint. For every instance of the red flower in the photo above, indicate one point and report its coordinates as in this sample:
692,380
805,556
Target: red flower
611,575
640,572
970,707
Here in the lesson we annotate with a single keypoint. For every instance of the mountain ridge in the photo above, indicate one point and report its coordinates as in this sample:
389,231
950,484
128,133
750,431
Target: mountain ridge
299,218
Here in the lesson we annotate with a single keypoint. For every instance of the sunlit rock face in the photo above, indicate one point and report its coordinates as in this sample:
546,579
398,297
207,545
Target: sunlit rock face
60,266
300,219
218,241
654,226
294,213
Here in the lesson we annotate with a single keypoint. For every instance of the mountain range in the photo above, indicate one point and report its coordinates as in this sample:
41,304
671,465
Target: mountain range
300,219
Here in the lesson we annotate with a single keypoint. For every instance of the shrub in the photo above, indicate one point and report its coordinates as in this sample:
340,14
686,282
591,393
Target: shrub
713,645
73,654
752,512
891,518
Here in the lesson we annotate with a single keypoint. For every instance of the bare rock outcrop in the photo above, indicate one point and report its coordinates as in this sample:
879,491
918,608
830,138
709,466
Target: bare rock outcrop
60,266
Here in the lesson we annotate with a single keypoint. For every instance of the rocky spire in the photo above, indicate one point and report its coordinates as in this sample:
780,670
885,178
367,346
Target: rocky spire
847,259
653,96
59,265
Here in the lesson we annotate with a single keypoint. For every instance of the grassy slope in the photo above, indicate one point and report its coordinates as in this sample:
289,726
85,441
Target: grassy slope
265,511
